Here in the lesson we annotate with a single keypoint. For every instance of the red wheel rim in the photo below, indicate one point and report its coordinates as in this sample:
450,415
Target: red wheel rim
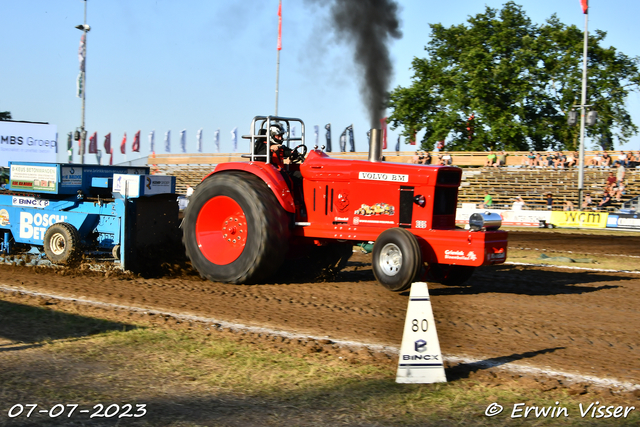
221,230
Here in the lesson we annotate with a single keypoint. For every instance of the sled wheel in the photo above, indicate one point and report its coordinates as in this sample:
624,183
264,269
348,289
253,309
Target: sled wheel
449,275
234,229
396,259
62,243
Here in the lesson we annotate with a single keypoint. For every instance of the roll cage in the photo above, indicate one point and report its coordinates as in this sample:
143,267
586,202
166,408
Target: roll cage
264,122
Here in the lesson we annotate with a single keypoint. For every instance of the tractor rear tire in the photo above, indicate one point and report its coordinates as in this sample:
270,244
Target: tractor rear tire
449,275
62,244
234,229
396,259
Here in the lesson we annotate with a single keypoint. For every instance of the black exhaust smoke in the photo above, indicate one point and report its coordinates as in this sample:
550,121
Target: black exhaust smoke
369,25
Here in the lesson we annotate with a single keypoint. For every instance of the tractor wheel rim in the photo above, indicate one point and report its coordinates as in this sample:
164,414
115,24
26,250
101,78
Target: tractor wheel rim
57,244
390,260
221,230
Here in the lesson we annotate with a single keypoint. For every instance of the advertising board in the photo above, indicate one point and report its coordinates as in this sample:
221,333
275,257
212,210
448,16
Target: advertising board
31,142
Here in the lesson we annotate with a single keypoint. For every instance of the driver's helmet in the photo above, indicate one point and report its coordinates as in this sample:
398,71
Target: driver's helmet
276,133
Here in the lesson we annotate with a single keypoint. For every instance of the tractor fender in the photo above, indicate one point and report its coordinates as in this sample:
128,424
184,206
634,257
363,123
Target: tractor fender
266,172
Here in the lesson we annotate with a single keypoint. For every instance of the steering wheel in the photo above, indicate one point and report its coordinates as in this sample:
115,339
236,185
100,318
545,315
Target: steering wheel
298,154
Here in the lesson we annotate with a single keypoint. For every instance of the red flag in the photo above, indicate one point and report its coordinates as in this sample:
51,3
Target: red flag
107,143
412,141
123,144
383,126
280,26
136,142
93,143
111,158
585,5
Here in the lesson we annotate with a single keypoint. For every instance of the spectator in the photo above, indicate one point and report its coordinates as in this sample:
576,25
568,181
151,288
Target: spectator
568,205
561,160
596,160
587,201
572,159
622,159
529,159
620,172
619,191
606,200
501,160
415,159
551,159
549,200
426,158
447,159
487,202
538,160
611,181
491,159
189,191
518,205
606,159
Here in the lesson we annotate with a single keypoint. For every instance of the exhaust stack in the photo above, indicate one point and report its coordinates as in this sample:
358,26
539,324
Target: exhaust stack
375,145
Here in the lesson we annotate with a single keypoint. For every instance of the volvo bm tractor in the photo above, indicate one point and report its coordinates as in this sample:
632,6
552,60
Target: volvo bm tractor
248,221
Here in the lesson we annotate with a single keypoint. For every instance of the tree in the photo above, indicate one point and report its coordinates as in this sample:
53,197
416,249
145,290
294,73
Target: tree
501,82
5,115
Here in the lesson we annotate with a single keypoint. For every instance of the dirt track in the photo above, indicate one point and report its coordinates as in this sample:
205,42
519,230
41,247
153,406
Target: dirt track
567,320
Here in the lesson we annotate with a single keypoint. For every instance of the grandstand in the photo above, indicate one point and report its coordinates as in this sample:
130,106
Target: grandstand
504,184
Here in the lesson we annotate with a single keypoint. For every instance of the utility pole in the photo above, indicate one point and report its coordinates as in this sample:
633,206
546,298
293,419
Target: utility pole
83,83
583,102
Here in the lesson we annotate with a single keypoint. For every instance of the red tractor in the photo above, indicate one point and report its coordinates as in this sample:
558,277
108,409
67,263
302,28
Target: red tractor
247,220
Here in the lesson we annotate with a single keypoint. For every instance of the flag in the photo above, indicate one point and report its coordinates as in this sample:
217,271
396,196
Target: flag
107,143
234,139
93,143
99,156
343,141
216,138
383,126
123,144
280,26
183,140
111,158
136,142
80,85
152,135
199,138
398,144
293,132
412,140
316,132
70,146
585,5
328,136
352,143
82,56
167,141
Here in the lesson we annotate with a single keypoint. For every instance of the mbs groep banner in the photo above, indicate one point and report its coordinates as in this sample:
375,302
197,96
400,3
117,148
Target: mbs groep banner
30,142
579,219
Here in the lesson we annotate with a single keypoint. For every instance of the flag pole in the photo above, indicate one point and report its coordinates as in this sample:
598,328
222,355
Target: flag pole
583,103
279,48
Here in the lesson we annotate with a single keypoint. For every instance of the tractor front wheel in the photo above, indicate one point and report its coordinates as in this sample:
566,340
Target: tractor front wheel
234,229
396,259
62,244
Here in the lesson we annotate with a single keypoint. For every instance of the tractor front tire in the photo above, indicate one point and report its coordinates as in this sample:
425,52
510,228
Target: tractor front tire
396,259
62,244
234,229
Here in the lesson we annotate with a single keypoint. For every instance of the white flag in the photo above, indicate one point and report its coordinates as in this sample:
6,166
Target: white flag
183,140
151,141
234,139
167,141
199,138
217,140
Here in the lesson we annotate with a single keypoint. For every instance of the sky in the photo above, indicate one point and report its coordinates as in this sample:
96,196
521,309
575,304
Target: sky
210,64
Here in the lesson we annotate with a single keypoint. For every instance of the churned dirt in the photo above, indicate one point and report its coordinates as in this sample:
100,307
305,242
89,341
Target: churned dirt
575,321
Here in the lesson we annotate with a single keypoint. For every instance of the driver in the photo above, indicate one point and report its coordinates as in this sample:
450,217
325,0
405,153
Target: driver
279,151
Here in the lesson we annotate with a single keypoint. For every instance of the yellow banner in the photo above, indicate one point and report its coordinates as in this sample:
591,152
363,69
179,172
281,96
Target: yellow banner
579,219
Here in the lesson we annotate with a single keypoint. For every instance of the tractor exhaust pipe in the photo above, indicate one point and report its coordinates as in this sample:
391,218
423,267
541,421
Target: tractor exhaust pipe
375,145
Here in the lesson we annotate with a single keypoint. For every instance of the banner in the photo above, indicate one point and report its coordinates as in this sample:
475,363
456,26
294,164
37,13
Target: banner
70,146
199,139
328,136
216,140
383,126
82,56
93,143
316,133
152,136
123,144
183,140
579,219
625,221
28,142
136,143
280,26
398,144
107,143
234,139
585,5
167,141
